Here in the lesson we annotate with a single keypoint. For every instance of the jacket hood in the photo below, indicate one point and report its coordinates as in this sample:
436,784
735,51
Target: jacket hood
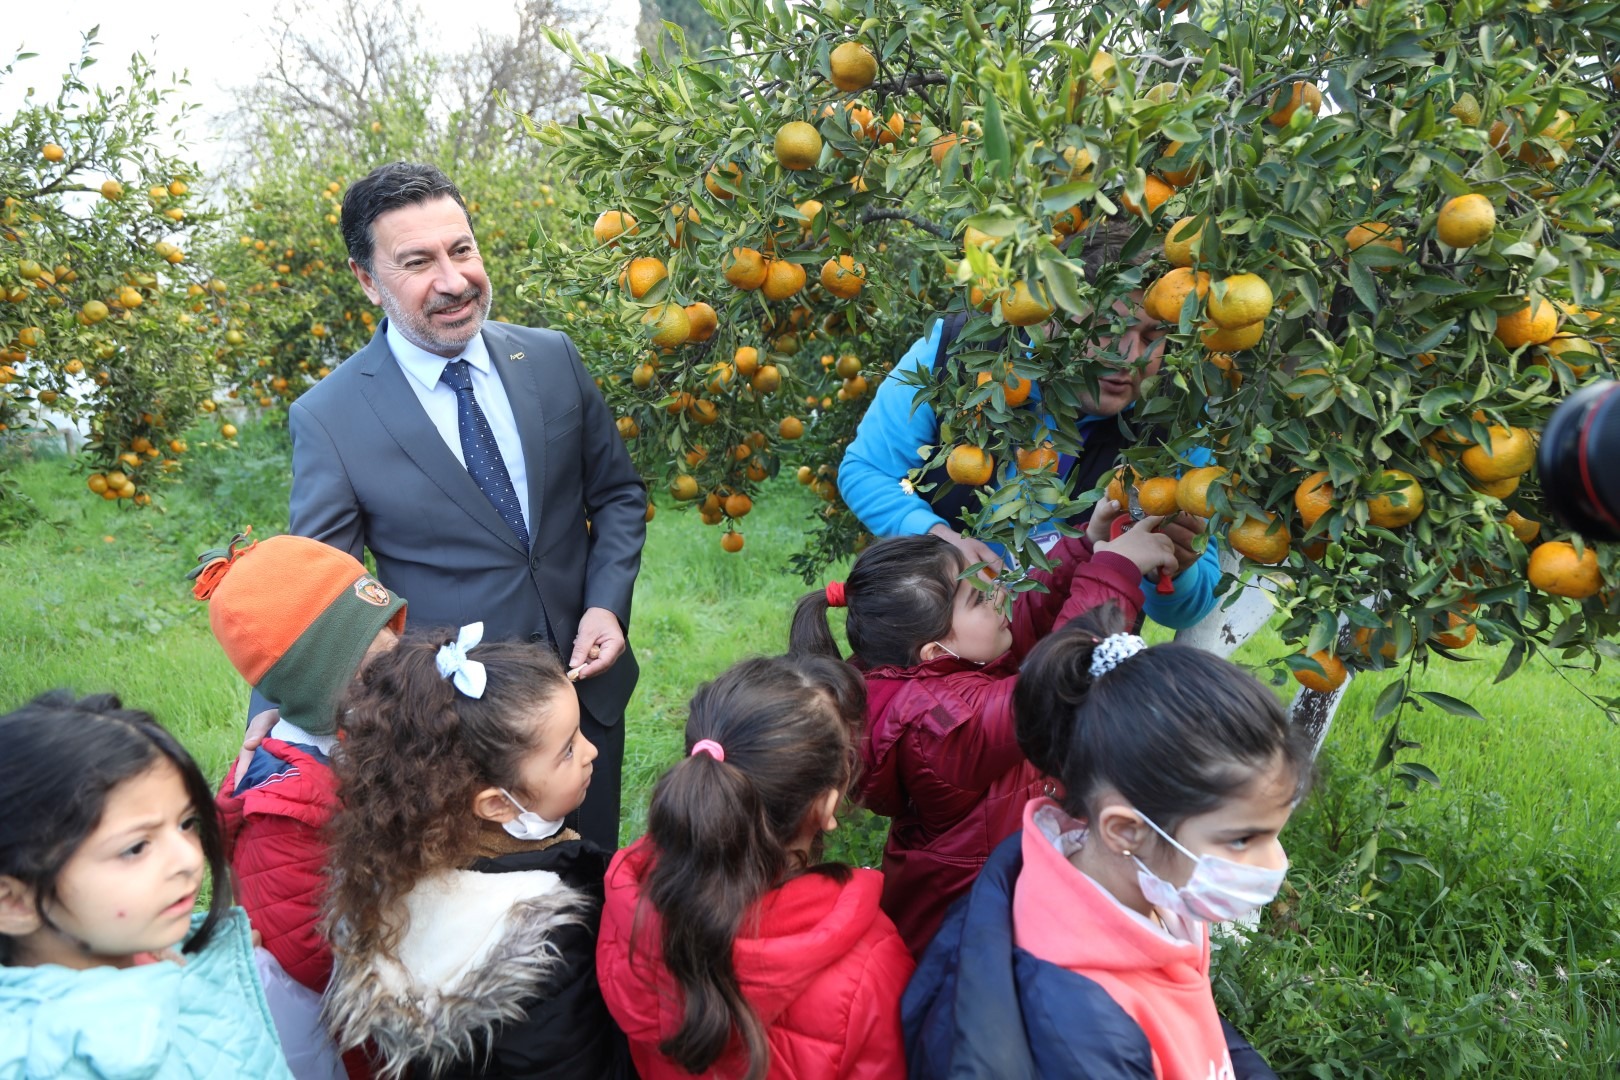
1066,918
293,784
882,789
476,949
796,932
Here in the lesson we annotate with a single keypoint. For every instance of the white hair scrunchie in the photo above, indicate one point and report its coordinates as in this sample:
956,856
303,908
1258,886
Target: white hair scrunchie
453,664
1113,651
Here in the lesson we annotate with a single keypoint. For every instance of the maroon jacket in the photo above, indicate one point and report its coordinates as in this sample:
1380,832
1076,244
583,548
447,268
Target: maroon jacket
941,757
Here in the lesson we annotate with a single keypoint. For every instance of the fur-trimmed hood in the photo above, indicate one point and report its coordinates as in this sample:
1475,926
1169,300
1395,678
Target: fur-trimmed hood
478,947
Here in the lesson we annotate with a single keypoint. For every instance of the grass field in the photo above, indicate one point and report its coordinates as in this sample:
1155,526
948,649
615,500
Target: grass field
1499,962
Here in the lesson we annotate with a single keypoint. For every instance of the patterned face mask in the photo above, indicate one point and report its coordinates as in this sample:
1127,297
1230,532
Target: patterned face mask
1219,890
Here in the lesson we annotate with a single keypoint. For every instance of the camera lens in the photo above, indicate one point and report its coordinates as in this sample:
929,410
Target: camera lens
1579,462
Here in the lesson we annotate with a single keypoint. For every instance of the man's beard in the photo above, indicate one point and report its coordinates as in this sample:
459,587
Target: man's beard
420,330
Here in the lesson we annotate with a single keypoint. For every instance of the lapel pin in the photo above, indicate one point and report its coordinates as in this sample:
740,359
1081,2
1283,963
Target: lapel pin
515,356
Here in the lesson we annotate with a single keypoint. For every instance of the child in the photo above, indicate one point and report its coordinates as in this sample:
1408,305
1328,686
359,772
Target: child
107,829
463,913
728,949
1083,948
941,660
296,618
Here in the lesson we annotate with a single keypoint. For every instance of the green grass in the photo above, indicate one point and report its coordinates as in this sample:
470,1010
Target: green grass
1500,962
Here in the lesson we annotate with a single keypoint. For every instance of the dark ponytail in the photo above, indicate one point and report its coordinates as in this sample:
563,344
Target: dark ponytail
1174,729
900,594
721,830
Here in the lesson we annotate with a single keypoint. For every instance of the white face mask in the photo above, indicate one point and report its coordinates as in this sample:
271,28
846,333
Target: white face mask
956,656
1219,890
528,825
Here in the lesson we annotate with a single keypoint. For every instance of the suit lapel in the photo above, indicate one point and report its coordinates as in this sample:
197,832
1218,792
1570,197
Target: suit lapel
400,413
517,371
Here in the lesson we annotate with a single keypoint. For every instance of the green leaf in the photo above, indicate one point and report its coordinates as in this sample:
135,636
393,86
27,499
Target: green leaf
995,139
1389,699
1361,280
1455,706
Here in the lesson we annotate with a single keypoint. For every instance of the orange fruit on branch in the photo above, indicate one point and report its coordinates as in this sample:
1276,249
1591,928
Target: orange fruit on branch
843,277
1333,676
1238,301
1533,324
1313,498
1262,539
1157,496
612,224
969,465
1466,220
853,67
1192,490
1398,505
1512,451
1556,569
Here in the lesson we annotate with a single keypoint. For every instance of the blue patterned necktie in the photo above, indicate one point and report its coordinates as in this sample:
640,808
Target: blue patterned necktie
480,451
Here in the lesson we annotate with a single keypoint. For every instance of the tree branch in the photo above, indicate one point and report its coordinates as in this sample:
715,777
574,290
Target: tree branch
872,213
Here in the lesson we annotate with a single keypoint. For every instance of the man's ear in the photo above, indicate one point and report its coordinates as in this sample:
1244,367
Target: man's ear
367,282
491,805
1121,830
18,916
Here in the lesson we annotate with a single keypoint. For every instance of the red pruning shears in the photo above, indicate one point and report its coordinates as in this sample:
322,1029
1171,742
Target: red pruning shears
1134,513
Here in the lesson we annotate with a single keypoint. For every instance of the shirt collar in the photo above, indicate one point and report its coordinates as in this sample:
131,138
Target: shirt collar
426,367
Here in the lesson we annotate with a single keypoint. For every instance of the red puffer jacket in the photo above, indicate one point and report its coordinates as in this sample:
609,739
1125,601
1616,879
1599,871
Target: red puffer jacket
818,962
273,841
941,756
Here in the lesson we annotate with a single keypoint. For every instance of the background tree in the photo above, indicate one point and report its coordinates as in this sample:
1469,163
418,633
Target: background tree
698,25
108,318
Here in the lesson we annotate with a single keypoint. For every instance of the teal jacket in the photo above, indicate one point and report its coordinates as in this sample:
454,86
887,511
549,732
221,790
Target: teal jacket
206,1018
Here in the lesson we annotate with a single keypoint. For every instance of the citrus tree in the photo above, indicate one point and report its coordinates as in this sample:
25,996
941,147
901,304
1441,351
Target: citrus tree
106,316
1381,234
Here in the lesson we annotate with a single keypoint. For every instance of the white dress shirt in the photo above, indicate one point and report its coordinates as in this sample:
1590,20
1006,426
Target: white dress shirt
423,369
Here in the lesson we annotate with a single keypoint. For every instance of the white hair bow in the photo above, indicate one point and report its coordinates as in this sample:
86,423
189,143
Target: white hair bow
453,664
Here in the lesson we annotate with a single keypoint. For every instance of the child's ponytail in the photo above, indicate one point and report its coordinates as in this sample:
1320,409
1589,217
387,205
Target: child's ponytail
764,742
810,635
1174,729
1054,683
900,595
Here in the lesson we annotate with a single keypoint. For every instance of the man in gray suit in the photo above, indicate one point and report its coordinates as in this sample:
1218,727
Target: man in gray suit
476,460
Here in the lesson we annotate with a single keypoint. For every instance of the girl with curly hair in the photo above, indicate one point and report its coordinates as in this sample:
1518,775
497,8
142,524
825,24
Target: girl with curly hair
462,911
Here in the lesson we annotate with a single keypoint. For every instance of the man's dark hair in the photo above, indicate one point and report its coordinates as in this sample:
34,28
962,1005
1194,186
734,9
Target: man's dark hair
389,187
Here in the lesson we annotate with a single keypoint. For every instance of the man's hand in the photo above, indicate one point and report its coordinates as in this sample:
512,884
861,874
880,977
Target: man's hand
975,550
1183,529
599,642
257,729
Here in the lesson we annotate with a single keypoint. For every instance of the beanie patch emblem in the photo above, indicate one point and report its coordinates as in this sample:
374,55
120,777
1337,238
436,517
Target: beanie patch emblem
372,591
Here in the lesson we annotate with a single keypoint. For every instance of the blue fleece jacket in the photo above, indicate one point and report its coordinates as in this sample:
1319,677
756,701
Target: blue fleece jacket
886,448
206,1018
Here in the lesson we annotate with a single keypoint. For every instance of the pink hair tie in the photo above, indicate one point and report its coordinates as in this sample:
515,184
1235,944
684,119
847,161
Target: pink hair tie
835,594
710,747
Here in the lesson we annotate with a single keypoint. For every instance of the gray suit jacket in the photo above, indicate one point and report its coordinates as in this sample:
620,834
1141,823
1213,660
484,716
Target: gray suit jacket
370,470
